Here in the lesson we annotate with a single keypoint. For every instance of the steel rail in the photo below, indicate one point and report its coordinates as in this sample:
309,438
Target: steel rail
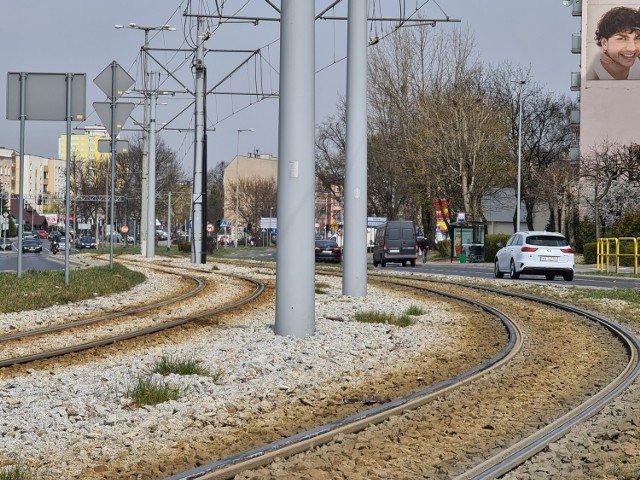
108,316
229,467
257,291
517,454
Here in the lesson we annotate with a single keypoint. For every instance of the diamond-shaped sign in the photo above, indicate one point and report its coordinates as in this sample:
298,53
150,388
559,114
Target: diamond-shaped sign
123,110
114,80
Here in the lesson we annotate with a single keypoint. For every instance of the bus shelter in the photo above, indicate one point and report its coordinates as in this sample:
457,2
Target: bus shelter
467,243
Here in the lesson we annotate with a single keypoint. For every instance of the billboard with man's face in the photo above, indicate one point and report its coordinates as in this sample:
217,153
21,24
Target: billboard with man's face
612,40
609,105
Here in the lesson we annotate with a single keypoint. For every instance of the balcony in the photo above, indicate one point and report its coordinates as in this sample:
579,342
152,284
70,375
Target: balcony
576,43
574,154
576,8
574,118
575,81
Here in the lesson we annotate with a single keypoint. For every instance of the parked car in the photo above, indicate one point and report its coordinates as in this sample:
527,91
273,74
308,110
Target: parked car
86,242
31,245
328,251
535,253
5,244
43,234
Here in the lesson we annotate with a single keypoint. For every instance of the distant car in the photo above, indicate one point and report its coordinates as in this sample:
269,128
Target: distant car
43,234
5,244
86,242
328,251
161,235
31,246
535,253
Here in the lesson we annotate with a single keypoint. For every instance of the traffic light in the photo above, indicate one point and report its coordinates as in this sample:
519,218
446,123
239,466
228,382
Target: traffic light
249,227
218,224
39,199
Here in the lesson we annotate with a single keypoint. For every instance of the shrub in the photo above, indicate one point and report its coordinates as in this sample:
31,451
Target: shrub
590,252
585,233
184,246
628,225
491,245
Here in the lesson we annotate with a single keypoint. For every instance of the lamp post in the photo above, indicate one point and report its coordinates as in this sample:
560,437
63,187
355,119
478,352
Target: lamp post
521,82
240,130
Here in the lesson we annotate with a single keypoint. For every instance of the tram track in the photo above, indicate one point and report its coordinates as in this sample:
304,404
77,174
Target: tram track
97,329
349,407
498,464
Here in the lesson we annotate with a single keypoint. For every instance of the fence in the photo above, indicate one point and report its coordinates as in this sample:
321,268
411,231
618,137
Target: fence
608,253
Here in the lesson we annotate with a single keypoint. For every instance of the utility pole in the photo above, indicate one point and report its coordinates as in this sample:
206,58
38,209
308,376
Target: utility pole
145,132
198,254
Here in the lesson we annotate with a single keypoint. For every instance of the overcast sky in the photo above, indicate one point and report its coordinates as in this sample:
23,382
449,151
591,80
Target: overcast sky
78,36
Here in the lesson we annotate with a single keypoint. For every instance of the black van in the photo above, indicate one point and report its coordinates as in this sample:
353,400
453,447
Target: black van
395,242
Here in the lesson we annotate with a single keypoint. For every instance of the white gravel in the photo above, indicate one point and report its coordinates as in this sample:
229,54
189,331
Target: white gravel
67,417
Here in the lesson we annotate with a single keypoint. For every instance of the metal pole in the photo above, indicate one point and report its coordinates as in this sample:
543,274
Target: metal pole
67,189
113,163
23,88
295,265
238,177
519,156
169,224
354,279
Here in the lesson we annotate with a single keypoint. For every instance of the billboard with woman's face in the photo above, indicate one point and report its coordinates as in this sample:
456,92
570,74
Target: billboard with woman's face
612,40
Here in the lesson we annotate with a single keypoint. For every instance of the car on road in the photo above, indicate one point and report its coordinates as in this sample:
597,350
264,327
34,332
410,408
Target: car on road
395,242
328,251
43,234
5,244
31,245
161,235
535,253
86,242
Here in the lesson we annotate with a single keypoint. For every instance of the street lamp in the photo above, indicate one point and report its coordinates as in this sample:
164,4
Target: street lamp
521,82
240,130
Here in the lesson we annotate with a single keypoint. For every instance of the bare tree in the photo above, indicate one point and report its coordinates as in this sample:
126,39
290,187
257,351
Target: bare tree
605,170
256,198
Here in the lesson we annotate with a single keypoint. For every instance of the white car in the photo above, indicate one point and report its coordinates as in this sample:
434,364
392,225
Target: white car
535,253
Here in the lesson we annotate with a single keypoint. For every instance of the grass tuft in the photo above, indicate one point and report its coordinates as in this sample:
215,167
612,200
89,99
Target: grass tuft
382,317
415,311
180,366
149,390
18,470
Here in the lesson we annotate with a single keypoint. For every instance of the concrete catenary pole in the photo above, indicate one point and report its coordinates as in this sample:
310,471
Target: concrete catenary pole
197,256
295,267
354,280
151,209
144,204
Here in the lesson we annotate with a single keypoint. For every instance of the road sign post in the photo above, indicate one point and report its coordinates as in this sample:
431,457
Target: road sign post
113,81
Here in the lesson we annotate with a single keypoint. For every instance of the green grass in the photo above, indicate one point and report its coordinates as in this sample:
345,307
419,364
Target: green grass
625,473
40,289
414,310
629,295
321,287
385,318
180,366
18,471
148,390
